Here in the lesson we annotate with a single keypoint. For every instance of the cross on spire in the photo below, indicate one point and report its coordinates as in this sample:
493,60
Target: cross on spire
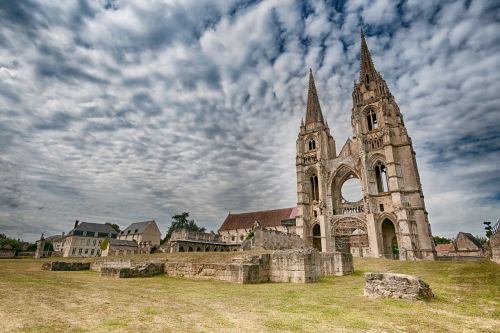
313,111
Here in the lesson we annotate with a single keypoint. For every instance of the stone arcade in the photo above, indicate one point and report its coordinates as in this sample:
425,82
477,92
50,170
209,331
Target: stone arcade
390,219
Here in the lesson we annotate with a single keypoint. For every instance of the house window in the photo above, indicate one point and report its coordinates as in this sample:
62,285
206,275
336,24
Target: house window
314,187
136,231
86,251
88,242
233,238
94,242
371,120
79,251
381,177
92,252
74,250
241,237
100,242
98,252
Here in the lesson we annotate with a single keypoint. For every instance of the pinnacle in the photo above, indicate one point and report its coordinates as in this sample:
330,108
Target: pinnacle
313,111
366,63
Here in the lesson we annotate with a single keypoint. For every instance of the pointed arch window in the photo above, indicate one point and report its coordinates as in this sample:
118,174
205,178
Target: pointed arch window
371,119
314,187
381,177
312,144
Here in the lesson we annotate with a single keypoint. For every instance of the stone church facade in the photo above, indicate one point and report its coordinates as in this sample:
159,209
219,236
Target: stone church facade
390,220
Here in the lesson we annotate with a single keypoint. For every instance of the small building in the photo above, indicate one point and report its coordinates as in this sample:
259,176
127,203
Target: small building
7,252
445,249
146,232
118,247
236,226
86,238
467,245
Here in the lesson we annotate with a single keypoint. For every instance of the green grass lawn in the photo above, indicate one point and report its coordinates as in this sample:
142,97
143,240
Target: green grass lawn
32,300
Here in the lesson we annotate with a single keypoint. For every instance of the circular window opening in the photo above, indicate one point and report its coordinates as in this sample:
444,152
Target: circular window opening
351,190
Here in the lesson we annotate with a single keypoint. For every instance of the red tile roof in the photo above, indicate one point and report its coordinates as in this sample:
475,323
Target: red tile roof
445,248
266,218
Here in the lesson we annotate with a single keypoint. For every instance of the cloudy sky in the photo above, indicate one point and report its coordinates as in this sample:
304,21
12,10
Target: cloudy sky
123,111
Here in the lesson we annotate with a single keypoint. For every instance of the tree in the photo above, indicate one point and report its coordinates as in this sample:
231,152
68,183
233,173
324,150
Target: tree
180,221
115,226
4,240
481,239
441,240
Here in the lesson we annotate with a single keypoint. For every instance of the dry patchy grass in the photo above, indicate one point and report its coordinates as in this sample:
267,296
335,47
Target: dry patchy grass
466,300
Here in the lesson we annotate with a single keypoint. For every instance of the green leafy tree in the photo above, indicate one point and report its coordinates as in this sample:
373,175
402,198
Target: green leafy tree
441,240
104,244
4,240
114,226
481,239
181,221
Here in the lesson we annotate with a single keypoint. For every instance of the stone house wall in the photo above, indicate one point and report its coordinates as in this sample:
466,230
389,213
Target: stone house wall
268,239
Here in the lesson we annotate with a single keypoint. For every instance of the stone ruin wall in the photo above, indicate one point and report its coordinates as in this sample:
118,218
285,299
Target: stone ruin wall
268,239
495,247
296,266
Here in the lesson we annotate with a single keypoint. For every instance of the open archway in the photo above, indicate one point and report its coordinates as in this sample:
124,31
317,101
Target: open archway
350,236
389,240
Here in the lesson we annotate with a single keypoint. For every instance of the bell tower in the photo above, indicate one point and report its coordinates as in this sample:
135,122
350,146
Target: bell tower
315,147
388,219
389,170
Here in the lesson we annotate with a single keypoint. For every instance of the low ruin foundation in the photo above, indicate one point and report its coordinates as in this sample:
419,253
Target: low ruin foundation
65,266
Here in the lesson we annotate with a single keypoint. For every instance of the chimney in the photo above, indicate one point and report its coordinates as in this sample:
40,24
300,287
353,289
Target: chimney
76,223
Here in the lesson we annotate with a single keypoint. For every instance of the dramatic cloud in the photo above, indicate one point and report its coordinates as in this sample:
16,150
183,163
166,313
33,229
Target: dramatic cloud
122,111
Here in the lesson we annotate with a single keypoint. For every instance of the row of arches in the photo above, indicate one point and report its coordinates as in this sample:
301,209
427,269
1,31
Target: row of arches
183,248
346,188
350,235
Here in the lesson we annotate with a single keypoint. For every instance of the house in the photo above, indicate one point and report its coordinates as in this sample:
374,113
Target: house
86,238
118,247
467,245
146,232
445,249
7,252
236,226
57,242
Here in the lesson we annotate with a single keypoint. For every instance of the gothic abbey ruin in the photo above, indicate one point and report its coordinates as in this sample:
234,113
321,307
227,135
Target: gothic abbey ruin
390,219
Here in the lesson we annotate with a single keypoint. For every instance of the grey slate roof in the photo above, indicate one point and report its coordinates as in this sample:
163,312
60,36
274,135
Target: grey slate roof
55,238
139,226
119,242
94,227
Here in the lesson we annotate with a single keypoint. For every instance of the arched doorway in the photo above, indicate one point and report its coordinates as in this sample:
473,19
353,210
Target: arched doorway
350,236
317,237
389,240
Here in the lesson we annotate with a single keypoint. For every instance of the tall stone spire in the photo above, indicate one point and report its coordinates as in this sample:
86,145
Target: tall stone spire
313,111
367,72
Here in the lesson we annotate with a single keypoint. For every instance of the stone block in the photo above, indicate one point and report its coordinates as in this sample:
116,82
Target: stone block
138,270
393,285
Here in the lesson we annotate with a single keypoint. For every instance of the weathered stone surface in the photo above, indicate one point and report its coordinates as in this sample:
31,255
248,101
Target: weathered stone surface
336,263
244,269
265,239
117,263
297,266
138,270
65,266
393,285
